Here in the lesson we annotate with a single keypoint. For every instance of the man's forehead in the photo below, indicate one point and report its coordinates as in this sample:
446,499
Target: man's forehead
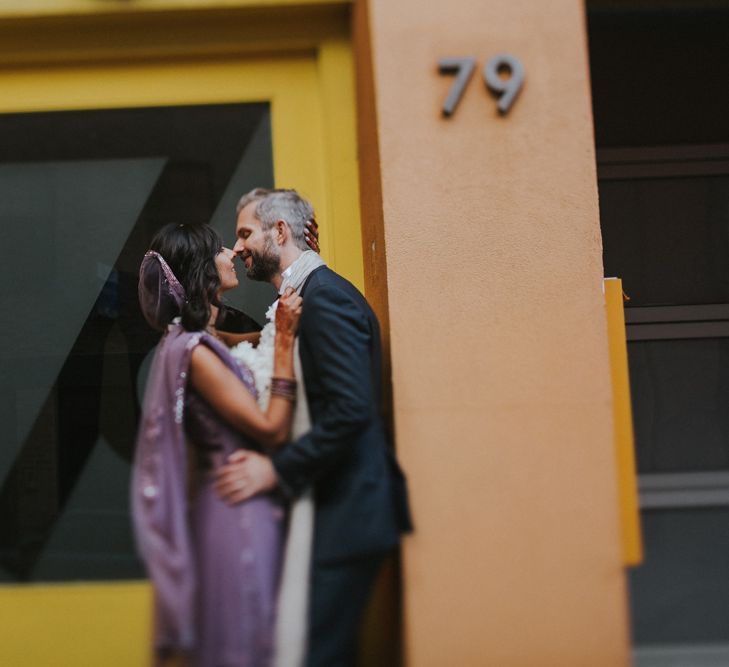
247,218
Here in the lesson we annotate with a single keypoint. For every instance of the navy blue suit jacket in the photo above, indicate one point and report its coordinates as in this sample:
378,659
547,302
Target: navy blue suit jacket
359,490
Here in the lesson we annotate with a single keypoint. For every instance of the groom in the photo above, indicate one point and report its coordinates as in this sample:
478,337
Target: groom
359,492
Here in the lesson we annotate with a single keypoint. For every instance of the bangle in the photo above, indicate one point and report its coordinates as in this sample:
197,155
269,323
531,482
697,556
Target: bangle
284,388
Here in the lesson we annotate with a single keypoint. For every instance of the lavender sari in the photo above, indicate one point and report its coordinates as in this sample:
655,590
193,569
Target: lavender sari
214,567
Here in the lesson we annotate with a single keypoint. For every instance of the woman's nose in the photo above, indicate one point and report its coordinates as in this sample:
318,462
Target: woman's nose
230,254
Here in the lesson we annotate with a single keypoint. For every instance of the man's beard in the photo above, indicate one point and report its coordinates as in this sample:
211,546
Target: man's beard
265,264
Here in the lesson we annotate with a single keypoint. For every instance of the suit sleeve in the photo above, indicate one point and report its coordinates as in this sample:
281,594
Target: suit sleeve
336,333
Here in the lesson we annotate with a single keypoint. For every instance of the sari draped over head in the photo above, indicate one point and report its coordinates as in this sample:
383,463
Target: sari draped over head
158,490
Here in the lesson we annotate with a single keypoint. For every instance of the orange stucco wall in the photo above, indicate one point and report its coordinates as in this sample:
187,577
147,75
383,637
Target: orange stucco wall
489,234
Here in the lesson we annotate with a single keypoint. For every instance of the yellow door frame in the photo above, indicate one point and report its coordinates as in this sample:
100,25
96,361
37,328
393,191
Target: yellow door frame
81,54
630,526
84,54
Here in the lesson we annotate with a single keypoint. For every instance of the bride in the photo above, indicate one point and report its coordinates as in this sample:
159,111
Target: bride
215,567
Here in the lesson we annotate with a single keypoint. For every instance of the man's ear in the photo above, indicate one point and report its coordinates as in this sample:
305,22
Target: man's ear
281,232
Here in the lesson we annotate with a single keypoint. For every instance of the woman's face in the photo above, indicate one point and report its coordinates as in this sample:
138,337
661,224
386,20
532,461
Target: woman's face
226,269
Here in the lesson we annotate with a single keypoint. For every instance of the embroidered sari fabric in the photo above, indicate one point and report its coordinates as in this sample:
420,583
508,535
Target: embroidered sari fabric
214,567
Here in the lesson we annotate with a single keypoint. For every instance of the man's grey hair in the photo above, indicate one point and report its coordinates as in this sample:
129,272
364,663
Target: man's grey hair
286,205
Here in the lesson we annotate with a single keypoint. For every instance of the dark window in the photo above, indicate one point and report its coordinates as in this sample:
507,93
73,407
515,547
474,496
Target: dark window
681,594
681,398
662,133
81,194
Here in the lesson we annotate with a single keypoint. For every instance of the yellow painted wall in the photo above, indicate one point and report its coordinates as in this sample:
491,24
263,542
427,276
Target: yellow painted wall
498,335
34,8
75,625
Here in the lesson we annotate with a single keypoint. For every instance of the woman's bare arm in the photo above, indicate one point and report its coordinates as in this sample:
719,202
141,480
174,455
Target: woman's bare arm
219,386
229,397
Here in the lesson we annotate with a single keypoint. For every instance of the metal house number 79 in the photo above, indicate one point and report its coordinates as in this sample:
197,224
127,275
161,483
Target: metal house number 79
506,88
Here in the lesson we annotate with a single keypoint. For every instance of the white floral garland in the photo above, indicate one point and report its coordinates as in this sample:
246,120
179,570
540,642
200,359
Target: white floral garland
259,359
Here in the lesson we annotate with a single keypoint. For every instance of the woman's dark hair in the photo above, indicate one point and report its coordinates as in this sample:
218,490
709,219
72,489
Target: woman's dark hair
190,251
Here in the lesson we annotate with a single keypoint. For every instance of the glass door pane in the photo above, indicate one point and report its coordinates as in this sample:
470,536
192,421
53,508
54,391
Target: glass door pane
81,195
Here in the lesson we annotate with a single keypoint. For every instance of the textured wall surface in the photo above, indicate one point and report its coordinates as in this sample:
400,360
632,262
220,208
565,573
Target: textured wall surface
501,381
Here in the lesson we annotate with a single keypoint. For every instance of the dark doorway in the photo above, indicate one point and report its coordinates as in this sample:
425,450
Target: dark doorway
661,110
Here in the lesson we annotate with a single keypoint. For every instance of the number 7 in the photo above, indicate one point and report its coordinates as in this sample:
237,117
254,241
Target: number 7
464,68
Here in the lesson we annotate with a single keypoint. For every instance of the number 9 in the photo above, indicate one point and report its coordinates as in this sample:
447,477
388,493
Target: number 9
509,88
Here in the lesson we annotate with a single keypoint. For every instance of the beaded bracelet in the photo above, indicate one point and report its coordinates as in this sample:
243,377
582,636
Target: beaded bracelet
283,387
